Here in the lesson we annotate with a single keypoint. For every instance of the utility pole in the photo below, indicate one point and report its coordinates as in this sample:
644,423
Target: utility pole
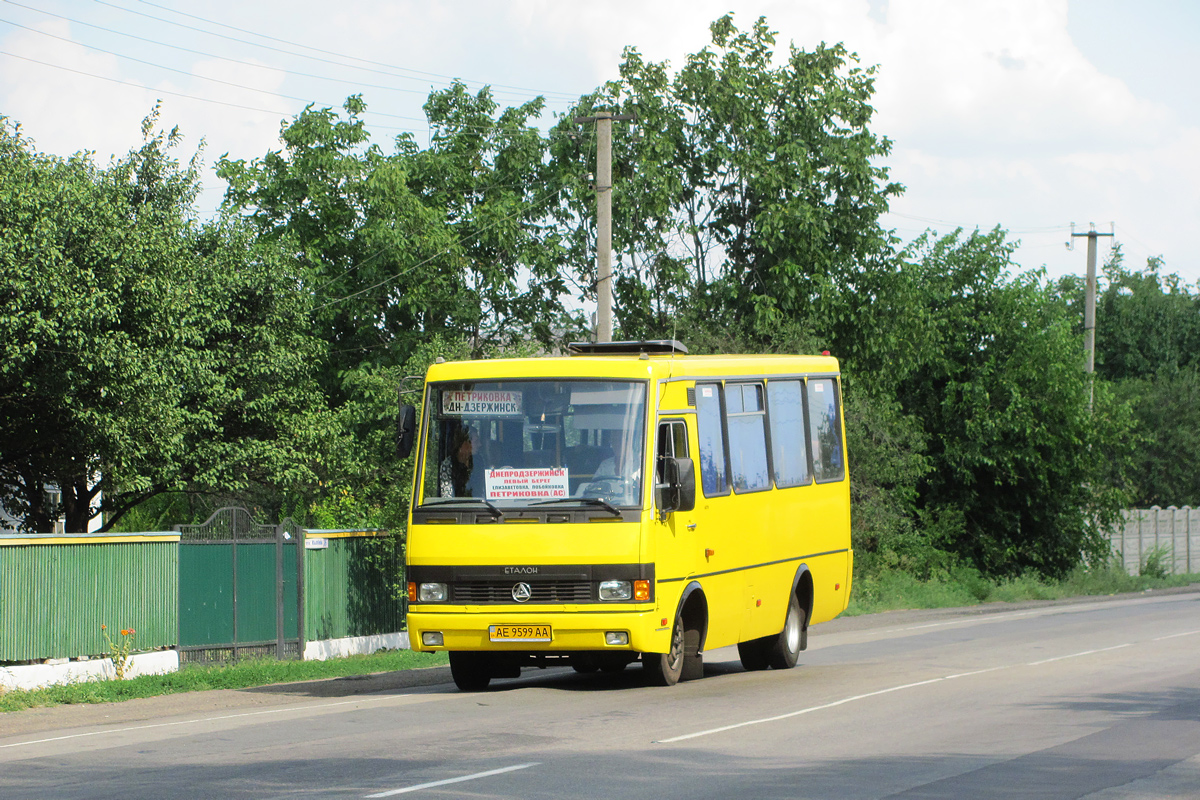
604,121
1089,305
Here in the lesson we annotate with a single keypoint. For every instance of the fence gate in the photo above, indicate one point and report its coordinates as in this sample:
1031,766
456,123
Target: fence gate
239,588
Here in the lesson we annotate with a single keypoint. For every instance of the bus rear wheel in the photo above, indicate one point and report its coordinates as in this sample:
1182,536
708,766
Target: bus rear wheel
471,671
664,669
785,649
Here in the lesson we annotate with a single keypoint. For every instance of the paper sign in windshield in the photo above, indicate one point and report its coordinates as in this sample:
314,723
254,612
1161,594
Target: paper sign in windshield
492,404
526,484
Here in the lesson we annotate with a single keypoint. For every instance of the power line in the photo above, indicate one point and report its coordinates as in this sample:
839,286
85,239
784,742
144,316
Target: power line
439,254
206,54
195,75
186,96
388,69
351,58
143,87
965,226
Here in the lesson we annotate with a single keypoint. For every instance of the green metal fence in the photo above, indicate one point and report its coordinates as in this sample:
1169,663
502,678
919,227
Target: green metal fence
238,588
348,584
209,584
56,590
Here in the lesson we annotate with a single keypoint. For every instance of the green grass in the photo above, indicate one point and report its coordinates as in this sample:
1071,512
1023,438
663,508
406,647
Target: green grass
196,678
892,590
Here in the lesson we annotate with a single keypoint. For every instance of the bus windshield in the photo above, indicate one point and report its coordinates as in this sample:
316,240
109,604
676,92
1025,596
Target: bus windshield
517,443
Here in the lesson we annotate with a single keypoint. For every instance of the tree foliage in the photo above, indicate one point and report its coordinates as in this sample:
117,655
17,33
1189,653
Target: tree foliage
141,352
750,190
1148,349
257,356
1020,464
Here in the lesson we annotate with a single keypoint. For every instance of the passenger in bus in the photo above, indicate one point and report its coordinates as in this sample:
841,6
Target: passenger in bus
617,478
457,476
615,466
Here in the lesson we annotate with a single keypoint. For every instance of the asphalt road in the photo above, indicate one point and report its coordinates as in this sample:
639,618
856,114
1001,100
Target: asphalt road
1092,699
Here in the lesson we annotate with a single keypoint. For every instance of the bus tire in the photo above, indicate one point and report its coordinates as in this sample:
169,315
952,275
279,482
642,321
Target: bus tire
471,671
784,651
664,669
754,654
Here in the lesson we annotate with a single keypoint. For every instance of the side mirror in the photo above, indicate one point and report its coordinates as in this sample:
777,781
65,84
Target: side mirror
406,430
686,481
677,492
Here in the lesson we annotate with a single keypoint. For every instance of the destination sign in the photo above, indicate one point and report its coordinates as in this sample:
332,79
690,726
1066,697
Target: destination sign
490,404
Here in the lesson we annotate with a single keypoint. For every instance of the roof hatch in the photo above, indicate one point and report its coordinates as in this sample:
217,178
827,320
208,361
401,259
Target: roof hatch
652,347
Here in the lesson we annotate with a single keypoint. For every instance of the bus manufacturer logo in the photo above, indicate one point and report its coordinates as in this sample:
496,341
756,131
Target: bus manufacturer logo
521,592
520,570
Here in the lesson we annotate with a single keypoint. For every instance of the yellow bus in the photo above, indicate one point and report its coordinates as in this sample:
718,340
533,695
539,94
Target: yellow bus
626,502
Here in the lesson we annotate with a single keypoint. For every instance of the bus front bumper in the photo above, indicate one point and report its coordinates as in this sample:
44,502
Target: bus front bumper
645,631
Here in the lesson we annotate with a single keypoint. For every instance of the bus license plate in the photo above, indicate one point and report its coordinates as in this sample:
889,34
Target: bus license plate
519,633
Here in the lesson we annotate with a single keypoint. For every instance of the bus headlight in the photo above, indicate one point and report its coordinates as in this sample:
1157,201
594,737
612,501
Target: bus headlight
616,590
432,593
431,638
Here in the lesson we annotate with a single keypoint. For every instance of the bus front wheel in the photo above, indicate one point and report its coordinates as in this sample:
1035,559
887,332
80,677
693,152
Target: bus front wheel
664,669
471,671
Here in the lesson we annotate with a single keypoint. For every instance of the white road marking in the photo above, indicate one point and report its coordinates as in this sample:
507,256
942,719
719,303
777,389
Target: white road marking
972,620
1076,655
449,781
1176,635
889,690
110,731
808,710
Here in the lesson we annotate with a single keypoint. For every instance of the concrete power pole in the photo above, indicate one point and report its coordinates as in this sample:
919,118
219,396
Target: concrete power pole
1089,306
604,121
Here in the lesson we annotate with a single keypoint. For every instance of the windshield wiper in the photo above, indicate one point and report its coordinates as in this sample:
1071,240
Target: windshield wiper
452,501
587,501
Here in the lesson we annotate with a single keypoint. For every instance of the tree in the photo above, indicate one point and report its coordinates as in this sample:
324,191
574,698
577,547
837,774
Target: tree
141,352
1148,349
401,247
1021,469
751,190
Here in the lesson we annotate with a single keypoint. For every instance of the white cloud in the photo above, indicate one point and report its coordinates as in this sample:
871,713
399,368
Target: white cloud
996,114
75,105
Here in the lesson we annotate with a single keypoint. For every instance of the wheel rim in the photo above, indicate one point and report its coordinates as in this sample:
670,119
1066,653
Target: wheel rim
675,657
793,630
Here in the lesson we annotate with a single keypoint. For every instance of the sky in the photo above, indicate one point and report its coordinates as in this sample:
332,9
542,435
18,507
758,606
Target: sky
1027,114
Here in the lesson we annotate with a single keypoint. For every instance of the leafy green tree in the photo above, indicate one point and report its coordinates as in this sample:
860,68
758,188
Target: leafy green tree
142,352
1166,409
1022,471
751,189
380,265
400,247
486,173
1148,349
1147,323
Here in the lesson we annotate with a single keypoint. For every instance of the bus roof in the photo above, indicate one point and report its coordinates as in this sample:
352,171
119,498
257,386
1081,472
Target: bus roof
634,365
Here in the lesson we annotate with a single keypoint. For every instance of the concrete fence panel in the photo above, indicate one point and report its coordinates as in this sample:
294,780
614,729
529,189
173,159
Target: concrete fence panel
1172,535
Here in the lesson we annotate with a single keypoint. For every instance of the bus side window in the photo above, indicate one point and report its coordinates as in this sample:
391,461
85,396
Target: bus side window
747,437
824,432
789,445
714,473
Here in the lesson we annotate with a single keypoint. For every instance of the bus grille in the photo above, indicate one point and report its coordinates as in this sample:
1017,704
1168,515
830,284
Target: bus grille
540,592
